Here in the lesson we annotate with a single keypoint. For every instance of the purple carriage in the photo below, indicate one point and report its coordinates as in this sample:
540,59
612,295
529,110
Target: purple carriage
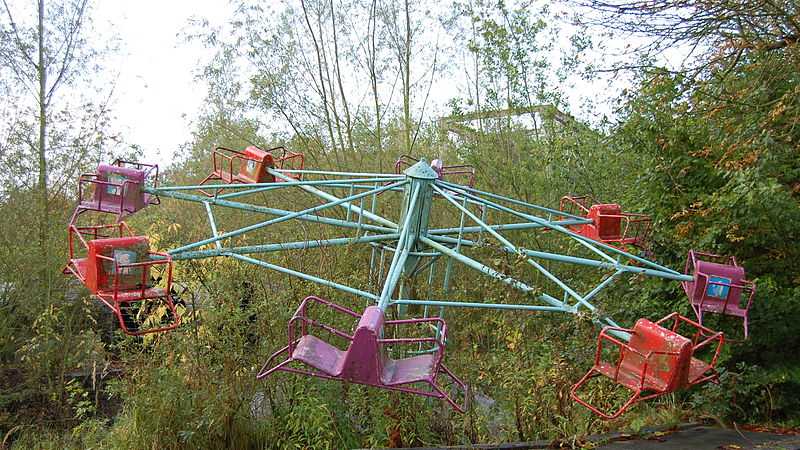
463,174
364,361
719,286
116,188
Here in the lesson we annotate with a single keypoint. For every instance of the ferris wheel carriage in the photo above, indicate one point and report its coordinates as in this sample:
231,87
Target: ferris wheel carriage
119,269
719,286
252,164
365,359
656,361
463,174
610,225
117,188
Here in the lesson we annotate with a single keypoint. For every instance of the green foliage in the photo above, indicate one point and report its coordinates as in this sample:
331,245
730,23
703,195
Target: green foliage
713,160
722,177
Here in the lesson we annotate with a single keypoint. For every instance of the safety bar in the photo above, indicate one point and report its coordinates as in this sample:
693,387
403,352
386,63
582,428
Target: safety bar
164,259
286,157
150,170
122,230
237,155
91,178
720,259
745,286
710,336
301,315
640,223
582,202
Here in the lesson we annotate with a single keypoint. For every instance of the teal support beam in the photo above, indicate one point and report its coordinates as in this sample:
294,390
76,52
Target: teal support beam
345,204
578,260
561,229
249,188
327,183
400,255
514,201
506,226
471,263
597,290
479,305
276,220
335,174
270,211
305,276
510,246
298,245
213,224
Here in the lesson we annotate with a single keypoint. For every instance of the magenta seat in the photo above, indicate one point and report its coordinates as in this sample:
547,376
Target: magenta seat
719,286
408,370
364,360
318,354
116,189
463,174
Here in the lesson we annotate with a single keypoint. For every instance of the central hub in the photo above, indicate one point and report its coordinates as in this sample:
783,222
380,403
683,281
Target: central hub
421,170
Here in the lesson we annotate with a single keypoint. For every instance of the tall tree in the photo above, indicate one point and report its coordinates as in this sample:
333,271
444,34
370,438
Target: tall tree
711,34
402,32
43,63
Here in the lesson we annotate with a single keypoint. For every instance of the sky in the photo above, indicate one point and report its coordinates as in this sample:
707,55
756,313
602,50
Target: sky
157,95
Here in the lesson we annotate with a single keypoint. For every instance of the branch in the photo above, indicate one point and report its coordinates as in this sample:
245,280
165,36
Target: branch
16,36
69,52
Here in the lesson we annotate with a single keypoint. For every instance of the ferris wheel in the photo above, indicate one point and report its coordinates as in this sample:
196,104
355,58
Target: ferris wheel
419,224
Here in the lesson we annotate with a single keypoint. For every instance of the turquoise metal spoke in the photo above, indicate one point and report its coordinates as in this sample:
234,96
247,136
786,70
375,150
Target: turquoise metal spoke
305,276
564,230
284,218
298,245
270,211
345,204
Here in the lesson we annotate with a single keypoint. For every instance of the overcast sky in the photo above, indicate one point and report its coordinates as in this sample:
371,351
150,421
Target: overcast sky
156,94
157,97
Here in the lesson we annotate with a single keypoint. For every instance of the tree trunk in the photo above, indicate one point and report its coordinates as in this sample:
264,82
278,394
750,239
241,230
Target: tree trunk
321,80
373,74
477,72
44,220
347,120
407,82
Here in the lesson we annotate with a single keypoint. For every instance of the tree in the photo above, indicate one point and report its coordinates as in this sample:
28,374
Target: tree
43,64
712,35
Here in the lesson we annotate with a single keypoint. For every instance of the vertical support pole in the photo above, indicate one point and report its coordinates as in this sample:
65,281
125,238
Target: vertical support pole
213,224
414,224
360,216
350,206
402,292
484,217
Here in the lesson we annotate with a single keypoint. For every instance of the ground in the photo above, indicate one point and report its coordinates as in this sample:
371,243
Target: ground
690,437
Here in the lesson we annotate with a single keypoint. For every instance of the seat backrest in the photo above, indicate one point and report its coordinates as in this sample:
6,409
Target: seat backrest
253,169
607,219
438,166
126,250
706,272
133,195
672,370
363,361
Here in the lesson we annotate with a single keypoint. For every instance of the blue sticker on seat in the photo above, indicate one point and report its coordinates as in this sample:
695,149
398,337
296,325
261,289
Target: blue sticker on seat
124,257
718,290
117,179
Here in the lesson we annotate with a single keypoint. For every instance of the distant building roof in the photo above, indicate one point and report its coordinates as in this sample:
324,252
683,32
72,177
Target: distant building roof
538,121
